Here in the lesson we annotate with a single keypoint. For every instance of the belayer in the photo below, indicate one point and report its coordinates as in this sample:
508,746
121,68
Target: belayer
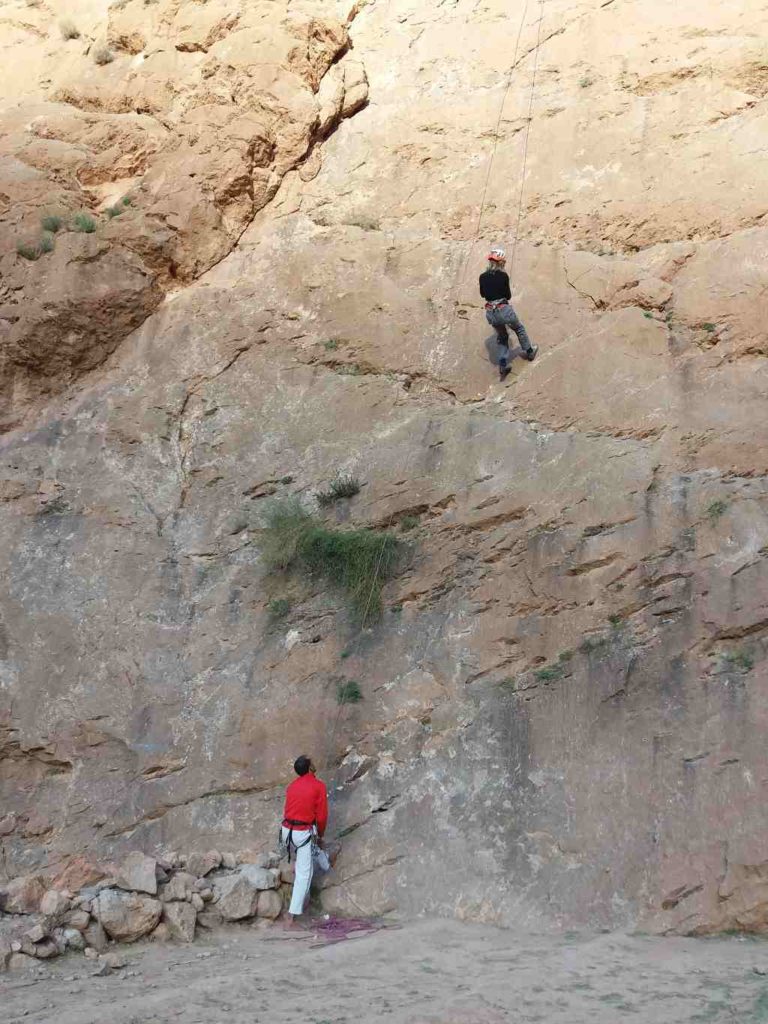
494,288
305,817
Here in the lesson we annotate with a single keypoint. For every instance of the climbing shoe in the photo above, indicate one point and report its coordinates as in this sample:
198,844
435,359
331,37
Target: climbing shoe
504,371
530,355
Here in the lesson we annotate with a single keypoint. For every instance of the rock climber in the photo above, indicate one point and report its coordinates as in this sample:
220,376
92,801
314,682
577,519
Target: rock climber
494,288
305,817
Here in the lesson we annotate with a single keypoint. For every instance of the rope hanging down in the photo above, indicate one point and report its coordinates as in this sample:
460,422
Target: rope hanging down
484,194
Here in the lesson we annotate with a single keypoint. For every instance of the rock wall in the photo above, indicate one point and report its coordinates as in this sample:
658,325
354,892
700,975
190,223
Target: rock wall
563,704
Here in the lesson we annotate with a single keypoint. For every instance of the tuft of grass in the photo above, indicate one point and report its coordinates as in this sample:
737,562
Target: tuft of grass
741,660
616,620
349,370
29,250
565,656
84,223
33,250
508,683
68,29
126,201
711,328
103,55
115,211
278,608
365,222
409,523
357,562
593,643
341,487
648,314
331,345
715,510
348,692
585,81
549,673
52,223
345,653
285,480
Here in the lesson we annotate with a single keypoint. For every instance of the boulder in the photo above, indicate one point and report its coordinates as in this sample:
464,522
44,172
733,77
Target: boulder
201,864
197,901
269,904
20,962
74,938
54,904
180,918
209,918
113,960
79,919
91,953
229,861
137,873
22,895
180,887
46,949
260,878
287,873
36,933
235,897
95,936
162,933
6,952
126,916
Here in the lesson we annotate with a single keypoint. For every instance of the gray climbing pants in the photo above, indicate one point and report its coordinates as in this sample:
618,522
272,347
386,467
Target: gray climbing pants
502,317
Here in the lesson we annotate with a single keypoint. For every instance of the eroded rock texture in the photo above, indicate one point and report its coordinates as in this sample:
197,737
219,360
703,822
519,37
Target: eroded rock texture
564,703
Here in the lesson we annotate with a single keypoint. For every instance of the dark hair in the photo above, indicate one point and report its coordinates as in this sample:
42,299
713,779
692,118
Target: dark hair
301,764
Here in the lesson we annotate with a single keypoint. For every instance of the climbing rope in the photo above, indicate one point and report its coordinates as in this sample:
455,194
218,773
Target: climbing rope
527,137
484,194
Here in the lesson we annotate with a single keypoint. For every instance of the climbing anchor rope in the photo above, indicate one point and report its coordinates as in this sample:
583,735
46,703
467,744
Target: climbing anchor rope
484,194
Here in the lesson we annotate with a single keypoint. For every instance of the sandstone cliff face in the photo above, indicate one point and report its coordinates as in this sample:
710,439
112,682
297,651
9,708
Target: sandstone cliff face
564,701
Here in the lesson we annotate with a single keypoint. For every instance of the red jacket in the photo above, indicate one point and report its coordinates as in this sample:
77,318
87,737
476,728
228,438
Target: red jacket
306,800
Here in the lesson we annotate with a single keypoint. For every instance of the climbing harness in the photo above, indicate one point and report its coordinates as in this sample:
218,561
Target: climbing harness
288,843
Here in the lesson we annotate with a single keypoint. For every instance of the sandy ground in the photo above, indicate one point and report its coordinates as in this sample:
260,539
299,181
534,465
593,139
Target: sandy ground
435,972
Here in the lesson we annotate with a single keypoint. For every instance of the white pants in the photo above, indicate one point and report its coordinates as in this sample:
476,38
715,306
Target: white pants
303,877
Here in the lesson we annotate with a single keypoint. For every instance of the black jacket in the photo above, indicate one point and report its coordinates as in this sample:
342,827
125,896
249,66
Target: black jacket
494,284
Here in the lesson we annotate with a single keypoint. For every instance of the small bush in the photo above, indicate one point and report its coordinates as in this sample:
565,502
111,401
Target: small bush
341,487
115,211
409,523
52,223
278,608
84,223
47,242
711,328
349,370
358,562
126,201
29,250
331,345
616,620
565,656
585,82
549,673
285,480
715,510
69,29
365,222
593,643
348,692
741,660
103,55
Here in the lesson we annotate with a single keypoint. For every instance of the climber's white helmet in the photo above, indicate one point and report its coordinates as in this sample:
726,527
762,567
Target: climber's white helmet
497,255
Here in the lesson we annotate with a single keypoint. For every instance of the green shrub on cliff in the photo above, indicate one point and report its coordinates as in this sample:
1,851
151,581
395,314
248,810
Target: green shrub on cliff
357,562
